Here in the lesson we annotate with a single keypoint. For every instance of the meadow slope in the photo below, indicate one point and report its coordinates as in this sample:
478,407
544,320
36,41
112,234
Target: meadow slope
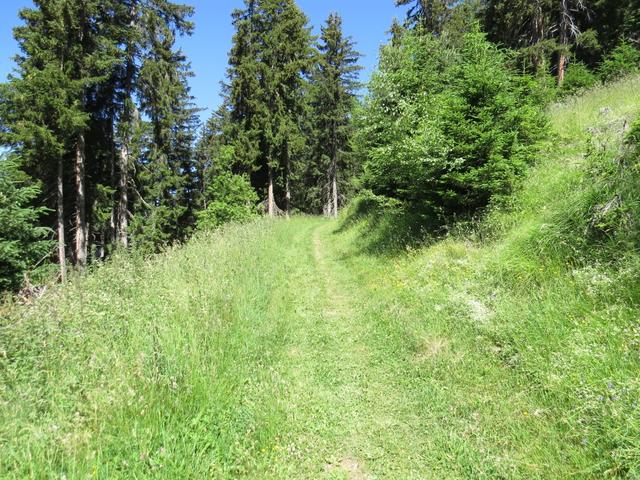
317,349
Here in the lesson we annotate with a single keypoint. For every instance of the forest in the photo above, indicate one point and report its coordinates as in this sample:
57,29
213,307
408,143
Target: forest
431,274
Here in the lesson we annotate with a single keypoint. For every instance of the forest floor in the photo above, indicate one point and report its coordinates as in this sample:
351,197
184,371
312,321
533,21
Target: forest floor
310,348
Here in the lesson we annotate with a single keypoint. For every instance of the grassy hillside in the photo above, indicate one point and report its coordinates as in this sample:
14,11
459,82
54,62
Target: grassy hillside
312,349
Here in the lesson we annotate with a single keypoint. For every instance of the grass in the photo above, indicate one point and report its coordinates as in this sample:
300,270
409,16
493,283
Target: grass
295,349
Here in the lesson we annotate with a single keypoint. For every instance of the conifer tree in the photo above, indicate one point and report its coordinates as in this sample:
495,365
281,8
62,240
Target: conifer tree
431,15
129,119
165,211
65,53
22,242
72,113
540,28
270,55
244,89
334,86
139,21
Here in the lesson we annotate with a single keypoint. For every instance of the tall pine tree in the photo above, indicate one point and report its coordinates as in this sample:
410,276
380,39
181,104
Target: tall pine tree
270,56
431,15
165,169
334,87
66,51
89,75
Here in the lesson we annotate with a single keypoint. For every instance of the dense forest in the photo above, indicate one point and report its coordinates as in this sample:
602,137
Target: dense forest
104,150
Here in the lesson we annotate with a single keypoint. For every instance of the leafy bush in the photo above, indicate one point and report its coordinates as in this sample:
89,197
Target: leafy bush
623,60
577,78
22,242
447,127
232,200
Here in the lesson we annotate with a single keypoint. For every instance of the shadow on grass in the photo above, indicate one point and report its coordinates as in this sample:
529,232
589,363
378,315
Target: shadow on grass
387,227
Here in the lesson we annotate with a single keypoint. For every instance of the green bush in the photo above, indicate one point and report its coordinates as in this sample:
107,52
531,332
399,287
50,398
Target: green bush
623,60
447,127
232,199
22,242
578,78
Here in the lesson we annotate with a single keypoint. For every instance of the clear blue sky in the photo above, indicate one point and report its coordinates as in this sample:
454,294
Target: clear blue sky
367,21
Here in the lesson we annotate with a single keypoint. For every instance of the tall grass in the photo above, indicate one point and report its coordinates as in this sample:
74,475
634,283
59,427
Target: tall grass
151,367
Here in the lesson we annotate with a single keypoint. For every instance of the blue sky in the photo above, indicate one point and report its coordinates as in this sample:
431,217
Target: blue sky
367,21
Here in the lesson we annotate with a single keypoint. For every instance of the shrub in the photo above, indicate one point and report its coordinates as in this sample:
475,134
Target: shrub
232,199
623,60
578,78
446,128
22,242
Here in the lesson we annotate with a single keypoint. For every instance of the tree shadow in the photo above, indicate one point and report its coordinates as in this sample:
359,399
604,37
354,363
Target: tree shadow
389,228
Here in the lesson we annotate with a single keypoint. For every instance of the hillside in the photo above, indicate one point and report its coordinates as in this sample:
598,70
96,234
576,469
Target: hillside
312,348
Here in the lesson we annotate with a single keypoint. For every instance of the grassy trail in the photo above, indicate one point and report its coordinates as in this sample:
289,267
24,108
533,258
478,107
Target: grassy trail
342,380
288,353
375,392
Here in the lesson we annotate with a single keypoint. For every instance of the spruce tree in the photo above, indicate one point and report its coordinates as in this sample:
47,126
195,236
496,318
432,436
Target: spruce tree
543,30
334,87
139,22
165,211
431,15
23,242
64,55
270,56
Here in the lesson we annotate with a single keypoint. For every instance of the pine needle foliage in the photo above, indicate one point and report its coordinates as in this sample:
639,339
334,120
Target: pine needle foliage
447,127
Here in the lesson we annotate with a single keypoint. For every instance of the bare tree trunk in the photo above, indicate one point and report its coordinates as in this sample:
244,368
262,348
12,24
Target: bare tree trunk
334,190
287,183
60,220
333,173
271,202
130,115
123,195
569,29
562,63
108,232
538,36
82,229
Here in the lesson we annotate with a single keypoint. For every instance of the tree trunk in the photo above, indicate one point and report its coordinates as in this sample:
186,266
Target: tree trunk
562,63
60,220
333,172
130,115
538,36
287,182
271,202
108,234
123,197
82,229
334,190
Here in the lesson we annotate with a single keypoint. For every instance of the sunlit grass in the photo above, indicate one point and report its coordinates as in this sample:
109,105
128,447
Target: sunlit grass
299,349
